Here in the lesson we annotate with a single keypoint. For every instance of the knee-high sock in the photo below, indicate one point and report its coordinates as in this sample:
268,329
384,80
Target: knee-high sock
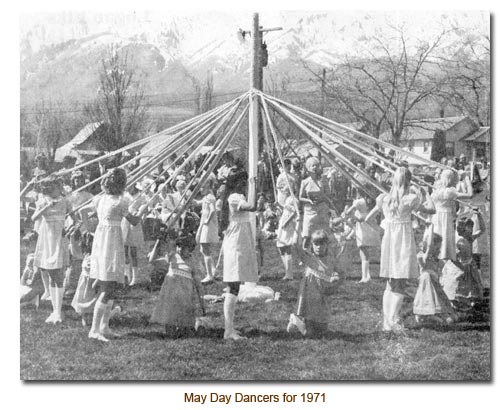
397,300
229,308
209,264
58,299
134,275
386,304
365,269
99,310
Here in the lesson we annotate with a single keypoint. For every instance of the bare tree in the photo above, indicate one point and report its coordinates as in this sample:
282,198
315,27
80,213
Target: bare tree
467,87
120,101
384,87
53,125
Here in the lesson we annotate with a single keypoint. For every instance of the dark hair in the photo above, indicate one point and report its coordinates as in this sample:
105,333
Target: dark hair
319,236
287,162
114,182
237,182
462,225
186,242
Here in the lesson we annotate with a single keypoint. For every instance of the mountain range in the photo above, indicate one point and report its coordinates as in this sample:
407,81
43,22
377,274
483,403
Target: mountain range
60,52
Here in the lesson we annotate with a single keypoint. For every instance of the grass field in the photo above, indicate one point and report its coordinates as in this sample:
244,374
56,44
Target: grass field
355,349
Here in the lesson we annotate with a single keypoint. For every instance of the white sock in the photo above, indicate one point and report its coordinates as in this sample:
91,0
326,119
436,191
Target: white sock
209,266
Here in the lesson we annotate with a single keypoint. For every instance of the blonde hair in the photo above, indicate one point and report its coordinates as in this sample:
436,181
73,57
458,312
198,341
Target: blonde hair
447,178
400,187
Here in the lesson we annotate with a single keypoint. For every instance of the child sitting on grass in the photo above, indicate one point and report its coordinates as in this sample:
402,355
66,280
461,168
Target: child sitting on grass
321,279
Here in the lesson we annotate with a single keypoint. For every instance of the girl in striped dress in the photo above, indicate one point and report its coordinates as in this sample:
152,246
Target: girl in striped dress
178,303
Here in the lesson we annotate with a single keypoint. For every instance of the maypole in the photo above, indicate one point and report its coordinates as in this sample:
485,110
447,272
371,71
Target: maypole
253,117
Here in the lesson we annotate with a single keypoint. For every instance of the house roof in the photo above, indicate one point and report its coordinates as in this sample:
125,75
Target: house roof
424,129
481,135
70,148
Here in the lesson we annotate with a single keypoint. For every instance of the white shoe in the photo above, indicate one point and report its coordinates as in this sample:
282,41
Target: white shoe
207,279
97,336
46,296
298,323
233,336
51,318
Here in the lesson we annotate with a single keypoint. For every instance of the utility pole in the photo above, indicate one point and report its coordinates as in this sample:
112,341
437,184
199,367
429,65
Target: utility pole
255,126
323,93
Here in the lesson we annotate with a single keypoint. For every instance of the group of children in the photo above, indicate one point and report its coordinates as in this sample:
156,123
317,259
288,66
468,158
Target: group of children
109,254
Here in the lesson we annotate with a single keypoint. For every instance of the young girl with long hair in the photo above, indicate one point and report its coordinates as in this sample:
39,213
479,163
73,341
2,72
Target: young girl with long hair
444,197
107,263
398,260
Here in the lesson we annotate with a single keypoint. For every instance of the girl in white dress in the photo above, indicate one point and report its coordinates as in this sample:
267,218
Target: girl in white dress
51,252
208,231
398,260
367,235
133,236
287,234
240,259
107,263
314,195
444,198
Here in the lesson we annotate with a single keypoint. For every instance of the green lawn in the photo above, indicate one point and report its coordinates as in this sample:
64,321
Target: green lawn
356,348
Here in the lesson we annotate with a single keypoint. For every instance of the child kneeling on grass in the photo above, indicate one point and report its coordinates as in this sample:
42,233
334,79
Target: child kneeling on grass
179,300
321,279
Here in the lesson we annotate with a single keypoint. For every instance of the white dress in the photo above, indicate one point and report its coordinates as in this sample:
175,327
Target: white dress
51,250
133,235
445,201
108,251
398,259
240,258
287,233
366,234
208,233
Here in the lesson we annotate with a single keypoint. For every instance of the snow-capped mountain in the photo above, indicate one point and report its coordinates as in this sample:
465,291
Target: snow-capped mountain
60,53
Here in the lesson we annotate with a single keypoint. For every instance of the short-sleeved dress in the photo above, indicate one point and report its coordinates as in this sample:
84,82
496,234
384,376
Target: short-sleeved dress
240,258
51,250
287,234
133,234
177,302
108,251
398,259
444,220
208,233
315,216
366,233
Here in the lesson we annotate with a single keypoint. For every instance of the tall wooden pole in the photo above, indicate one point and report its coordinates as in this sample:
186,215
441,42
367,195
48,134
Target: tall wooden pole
253,126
